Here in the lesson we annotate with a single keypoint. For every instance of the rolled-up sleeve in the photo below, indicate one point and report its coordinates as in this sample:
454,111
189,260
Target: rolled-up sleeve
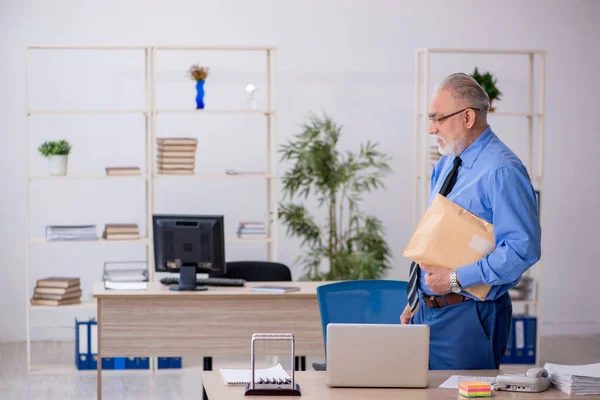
517,232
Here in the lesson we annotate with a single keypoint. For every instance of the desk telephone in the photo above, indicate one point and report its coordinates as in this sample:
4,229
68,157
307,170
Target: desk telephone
534,380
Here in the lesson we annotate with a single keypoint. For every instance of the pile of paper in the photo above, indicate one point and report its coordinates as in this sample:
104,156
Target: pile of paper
575,379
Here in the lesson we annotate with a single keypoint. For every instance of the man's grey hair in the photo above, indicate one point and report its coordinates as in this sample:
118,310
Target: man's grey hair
464,87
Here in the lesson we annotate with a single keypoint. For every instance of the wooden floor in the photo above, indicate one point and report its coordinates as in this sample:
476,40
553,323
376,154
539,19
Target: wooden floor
15,384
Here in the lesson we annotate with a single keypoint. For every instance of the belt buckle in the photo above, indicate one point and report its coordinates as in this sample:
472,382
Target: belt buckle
434,302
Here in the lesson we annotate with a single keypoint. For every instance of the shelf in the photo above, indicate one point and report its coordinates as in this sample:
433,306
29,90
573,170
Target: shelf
85,304
72,177
65,369
481,51
69,112
236,239
215,176
33,241
214,111
217,48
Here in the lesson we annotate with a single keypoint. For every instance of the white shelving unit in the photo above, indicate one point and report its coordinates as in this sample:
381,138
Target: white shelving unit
424,162
150,176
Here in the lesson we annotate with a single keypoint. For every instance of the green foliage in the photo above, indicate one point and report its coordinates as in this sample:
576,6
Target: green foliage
488,83
354,244
54,148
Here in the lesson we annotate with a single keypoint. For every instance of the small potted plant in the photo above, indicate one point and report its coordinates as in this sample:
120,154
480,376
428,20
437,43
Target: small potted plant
57,152
488,83
199,74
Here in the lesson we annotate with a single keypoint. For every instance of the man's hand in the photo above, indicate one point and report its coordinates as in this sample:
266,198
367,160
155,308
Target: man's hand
437,278
405,317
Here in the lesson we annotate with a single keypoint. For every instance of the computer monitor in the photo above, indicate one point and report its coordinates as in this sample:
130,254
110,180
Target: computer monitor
189,244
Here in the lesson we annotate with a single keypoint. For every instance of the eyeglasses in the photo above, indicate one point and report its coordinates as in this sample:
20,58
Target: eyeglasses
438,120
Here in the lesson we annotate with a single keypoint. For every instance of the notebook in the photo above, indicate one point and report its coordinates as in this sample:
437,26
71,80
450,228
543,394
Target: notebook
244,376
275,289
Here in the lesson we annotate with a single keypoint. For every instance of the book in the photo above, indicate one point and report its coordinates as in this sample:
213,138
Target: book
175,154
275,289
70,295
175,166
122,236
58,282
177,141
244,376
54,290
176,172
121,228
122,171
175,160
48,302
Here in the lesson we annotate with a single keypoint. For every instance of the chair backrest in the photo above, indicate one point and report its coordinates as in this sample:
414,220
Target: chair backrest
258,271
361,302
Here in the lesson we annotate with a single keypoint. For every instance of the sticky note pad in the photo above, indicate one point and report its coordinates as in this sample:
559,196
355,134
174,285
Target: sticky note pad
475,389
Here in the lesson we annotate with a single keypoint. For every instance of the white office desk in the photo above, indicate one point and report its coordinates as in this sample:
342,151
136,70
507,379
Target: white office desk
158,322
314,387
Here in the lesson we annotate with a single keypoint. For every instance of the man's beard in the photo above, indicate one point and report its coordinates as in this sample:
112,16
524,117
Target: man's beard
449,149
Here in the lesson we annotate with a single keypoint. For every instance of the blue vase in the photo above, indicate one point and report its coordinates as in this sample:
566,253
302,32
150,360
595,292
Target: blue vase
200,94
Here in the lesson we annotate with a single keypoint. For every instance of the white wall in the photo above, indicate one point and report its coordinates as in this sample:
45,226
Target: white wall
351,58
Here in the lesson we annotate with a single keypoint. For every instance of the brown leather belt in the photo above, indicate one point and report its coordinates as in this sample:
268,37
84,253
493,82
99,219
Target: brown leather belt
438,301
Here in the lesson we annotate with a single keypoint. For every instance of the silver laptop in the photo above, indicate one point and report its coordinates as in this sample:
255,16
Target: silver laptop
377,355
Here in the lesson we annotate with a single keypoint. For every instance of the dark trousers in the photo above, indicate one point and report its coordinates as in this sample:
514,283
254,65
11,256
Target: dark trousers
469,335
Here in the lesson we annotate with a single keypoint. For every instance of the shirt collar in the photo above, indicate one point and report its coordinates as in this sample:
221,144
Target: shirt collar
471,153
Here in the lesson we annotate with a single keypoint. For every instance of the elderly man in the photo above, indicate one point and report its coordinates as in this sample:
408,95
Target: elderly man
481,174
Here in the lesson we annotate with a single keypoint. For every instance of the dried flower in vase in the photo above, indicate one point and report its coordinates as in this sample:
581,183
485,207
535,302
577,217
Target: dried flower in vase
198,73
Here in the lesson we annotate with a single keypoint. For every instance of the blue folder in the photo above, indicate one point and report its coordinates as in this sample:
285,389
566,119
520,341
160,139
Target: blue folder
82,361
143,362
174,362
93,344
530,339
163,362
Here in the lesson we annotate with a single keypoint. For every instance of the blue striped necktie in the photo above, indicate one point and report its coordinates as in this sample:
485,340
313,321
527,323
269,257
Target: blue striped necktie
415,270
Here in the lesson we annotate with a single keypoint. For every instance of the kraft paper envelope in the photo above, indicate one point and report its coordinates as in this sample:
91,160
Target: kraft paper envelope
450,236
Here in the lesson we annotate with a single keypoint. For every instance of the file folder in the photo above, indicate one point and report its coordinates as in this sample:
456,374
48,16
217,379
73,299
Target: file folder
93,344
143,363
519,344
174,362
82,361
119,363
131,363
530,324
163,362
108,363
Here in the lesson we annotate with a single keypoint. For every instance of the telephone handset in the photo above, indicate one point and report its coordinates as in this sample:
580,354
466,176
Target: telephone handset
534,380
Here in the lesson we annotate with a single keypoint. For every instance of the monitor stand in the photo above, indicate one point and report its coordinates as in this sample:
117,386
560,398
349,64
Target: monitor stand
187,280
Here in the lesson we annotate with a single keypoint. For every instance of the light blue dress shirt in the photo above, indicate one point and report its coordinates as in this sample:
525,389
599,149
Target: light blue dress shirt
494,184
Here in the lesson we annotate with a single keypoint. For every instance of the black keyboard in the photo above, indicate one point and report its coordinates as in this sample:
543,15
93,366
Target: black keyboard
207,281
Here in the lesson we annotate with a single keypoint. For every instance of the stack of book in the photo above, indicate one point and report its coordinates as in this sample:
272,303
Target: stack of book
251,230
57,291
71,232
176,156
123,171
121,232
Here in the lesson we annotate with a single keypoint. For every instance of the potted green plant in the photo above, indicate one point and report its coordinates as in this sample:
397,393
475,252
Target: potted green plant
488,83
57,153
351,242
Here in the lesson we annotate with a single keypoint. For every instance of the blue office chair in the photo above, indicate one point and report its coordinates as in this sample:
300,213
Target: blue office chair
360,302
